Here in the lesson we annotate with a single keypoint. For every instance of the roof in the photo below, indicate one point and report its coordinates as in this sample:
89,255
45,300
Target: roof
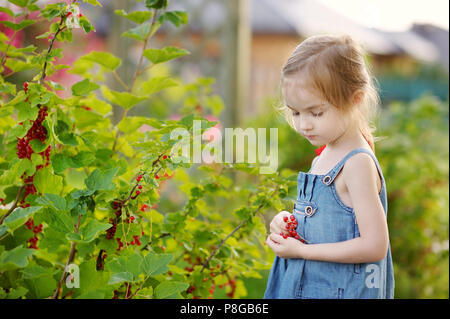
310,17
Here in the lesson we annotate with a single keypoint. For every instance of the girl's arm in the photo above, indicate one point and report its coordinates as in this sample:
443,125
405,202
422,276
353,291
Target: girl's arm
360,176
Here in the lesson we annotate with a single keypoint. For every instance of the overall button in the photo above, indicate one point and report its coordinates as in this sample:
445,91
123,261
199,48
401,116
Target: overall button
309,211
327,180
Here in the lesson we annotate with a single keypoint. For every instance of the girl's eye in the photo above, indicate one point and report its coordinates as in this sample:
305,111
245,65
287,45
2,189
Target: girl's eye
295,113
317,114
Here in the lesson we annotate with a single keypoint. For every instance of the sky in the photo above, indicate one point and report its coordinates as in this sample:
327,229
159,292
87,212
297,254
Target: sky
393,15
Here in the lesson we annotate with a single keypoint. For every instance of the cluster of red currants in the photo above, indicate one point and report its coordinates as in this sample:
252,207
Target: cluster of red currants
291,228
24,150
36,230
37,131
138,179
232,284
136,241
110,232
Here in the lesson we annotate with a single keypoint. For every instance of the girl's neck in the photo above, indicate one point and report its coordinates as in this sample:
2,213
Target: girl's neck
351,138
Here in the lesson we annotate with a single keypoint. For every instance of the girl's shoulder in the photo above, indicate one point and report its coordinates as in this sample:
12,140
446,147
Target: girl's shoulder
362,167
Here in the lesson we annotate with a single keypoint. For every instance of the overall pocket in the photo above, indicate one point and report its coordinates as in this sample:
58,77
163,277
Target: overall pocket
313,291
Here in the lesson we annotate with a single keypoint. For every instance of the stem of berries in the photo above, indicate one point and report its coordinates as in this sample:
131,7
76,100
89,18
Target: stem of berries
291,228
36,230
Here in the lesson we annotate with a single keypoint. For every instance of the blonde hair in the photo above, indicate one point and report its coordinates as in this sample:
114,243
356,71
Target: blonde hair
335,68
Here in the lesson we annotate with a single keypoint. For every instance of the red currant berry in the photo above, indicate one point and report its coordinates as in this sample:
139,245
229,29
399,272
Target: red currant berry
138,192
292,217
157,176
285,218
165,157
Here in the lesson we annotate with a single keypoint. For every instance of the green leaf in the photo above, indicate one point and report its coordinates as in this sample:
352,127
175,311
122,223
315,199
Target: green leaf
8,88
46,182
59,162
84,87
176,17
123,99
101,180
138,33
125,268
86,25
20,3
215,103
92,228
55,86
96,104
53,200
7,11
156,4
156,84
162,55
36,271
26,112
169,288
3,230
15,258
18,26
120,277
41,287
17,293
53,10
155,264
88,232
105,59
18,65
64,135
19,216
93,2
38,146
58,220
136,16
82,159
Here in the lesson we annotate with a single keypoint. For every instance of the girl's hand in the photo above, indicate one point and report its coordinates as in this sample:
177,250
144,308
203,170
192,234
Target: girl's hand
286,248
278,225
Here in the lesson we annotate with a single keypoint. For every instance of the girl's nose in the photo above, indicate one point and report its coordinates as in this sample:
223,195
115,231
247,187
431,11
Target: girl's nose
305,125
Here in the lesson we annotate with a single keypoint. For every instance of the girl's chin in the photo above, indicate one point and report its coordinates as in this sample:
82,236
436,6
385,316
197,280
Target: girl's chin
316,142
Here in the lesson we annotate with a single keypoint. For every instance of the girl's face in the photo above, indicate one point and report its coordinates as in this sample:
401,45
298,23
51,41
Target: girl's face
315,119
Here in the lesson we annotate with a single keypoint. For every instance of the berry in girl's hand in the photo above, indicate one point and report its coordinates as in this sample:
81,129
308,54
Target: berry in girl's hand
285,218
292,217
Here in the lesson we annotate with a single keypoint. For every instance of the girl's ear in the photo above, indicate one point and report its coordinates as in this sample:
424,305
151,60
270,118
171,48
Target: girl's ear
358,97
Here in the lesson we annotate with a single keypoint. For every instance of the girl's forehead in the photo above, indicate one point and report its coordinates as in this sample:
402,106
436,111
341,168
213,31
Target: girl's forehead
297,92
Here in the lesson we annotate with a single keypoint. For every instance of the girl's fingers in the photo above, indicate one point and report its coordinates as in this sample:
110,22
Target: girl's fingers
276,238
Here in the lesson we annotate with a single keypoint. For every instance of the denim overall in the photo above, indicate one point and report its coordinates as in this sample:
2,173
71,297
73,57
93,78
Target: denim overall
323,218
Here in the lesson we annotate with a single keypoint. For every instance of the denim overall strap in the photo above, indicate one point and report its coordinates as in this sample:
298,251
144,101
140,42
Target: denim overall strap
329,178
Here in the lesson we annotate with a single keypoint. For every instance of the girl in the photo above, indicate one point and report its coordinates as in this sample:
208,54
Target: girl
341,207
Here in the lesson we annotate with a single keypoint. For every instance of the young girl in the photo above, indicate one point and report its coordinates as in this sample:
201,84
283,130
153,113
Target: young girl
340,248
